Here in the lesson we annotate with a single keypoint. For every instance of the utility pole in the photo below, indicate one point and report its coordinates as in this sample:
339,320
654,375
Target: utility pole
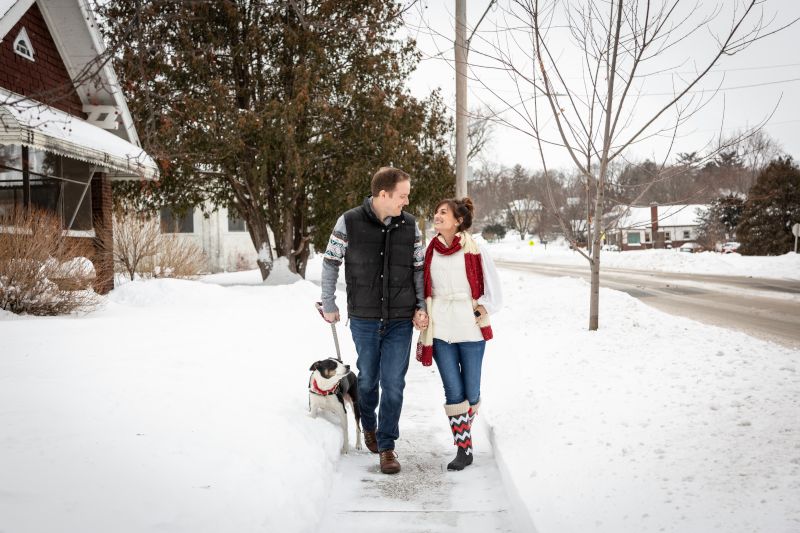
461,98
462,120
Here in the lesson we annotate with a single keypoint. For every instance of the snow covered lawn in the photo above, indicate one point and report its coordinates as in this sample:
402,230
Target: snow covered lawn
652,423
786,266
181,406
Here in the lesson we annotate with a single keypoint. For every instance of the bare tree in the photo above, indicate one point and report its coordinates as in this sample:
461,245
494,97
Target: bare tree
479,133
753,152
595,115
489,191
523,207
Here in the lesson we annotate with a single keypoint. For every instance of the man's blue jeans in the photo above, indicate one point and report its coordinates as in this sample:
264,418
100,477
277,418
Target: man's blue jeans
384,349
460,367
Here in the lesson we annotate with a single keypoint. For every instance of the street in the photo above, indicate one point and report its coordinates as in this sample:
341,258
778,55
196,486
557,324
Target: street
765,308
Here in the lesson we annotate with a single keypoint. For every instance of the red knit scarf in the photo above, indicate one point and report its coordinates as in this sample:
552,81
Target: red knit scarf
474,269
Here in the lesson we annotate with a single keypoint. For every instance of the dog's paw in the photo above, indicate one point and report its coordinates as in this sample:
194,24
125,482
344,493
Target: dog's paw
359,447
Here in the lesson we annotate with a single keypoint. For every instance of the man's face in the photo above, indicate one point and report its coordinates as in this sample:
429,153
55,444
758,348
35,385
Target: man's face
394,202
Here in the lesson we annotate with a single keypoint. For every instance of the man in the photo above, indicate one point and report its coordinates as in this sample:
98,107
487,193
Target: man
383,256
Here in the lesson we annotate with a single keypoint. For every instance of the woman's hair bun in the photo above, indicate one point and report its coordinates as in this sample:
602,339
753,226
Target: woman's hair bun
467,202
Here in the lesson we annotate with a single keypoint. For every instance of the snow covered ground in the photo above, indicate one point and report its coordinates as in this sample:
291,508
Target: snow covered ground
786,266
652,423
181,406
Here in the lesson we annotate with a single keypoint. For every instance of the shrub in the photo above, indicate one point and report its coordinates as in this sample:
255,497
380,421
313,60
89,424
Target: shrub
493,232
43,272
140,248
178,258
136,239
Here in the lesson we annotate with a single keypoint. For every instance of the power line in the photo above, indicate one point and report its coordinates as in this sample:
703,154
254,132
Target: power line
698,91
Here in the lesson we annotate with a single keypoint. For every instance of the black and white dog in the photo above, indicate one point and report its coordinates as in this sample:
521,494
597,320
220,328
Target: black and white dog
331,384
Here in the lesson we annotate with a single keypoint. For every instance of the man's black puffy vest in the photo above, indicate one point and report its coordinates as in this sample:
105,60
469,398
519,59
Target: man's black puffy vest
379,265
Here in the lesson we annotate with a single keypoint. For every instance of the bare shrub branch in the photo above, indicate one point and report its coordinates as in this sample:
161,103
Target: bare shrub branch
42,271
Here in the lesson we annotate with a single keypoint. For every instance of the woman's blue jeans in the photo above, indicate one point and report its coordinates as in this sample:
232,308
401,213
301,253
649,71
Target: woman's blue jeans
460,367
384,349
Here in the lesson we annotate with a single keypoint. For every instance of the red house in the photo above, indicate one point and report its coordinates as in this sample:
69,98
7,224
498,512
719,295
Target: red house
65,128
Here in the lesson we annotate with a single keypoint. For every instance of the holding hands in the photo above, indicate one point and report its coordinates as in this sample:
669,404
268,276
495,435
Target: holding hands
479,312
420,319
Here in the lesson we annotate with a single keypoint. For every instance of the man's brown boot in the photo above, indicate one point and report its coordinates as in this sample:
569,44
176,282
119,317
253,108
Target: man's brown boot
371,441
389,464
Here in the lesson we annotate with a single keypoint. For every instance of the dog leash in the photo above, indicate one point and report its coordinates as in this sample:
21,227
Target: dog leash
318,305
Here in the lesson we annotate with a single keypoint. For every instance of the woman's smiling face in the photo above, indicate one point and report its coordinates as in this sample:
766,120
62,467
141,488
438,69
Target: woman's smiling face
444,220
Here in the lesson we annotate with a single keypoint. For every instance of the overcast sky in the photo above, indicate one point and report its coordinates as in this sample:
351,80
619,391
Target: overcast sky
762,79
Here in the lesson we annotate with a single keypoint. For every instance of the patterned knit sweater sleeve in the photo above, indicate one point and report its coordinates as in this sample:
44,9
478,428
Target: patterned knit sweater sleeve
419,269
332,260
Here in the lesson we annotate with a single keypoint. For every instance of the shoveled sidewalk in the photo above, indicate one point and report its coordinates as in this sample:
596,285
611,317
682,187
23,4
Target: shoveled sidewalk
424,496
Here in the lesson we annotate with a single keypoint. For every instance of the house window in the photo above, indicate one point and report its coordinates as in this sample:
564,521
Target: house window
647,236
77,196
686,235
51,182
11,180
172,222
22,45
235,224
634,238
667,236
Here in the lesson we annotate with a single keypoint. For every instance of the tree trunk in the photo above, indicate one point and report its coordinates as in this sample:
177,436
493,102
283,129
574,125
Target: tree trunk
302,250
259,234
288,238
594,299
294,244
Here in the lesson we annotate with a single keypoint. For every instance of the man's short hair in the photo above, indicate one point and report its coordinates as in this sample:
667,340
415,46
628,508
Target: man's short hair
386,178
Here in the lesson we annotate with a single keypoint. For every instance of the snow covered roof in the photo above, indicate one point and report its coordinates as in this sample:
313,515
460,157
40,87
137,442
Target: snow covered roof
74,29
677,215
525,204
5,7
36,125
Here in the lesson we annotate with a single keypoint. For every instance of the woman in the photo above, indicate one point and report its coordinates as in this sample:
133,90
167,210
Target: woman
461,291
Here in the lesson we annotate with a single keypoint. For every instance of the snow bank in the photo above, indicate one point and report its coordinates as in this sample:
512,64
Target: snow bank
179,406
244,277
785,266
652,423
281,275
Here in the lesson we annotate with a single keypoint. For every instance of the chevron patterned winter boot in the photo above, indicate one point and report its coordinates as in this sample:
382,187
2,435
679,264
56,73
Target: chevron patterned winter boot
462,434
473,411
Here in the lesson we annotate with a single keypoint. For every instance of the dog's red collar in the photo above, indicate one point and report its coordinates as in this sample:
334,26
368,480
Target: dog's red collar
316,390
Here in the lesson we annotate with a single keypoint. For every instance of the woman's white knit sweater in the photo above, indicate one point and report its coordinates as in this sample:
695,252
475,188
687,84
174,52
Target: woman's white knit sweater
451,299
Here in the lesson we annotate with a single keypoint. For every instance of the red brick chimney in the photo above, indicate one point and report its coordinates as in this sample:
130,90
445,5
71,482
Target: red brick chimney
653,223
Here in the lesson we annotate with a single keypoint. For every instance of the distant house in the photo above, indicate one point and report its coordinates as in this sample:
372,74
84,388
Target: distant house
65,128
523,215
654,226
223,238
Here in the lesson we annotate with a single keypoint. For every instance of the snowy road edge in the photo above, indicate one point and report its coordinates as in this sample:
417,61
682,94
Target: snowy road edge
522,519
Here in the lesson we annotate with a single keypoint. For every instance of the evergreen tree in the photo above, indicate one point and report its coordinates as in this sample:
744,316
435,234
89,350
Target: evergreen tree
280,111
720,220
772,207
